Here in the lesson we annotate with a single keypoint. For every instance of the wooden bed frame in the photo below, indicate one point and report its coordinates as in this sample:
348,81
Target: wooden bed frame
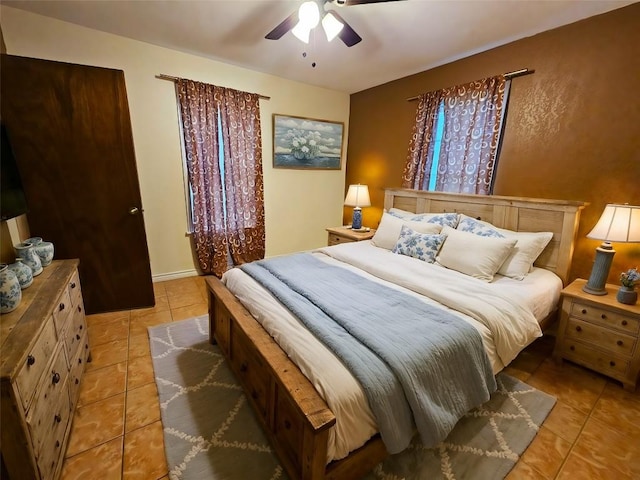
294,416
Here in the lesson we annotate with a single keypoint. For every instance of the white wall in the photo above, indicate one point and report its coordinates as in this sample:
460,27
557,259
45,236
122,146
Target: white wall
298,204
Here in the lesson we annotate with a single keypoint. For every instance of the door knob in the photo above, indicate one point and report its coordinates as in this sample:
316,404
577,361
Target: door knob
134,211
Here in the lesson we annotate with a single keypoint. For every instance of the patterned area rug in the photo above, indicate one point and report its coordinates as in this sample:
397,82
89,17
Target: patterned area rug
210,431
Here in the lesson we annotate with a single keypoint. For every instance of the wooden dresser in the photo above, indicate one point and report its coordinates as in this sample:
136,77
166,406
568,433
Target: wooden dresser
44,347
600,333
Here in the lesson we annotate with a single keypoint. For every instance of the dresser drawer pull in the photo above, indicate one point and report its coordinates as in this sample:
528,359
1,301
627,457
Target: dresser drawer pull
61,307
243,367
612,363
584,311
572,348
77,336
79,308
77,381
624,323
57,443
578,328
56,378
58,418
619,343
603,316
73,284
79,361
31,360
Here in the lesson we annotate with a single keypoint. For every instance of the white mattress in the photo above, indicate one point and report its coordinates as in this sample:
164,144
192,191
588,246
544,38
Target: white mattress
355,424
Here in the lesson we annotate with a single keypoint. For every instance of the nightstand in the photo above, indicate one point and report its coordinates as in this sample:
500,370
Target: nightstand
600,333
345,234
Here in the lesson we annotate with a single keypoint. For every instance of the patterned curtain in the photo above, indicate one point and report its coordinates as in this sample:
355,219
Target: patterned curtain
230,222
473,115
242,139
418,166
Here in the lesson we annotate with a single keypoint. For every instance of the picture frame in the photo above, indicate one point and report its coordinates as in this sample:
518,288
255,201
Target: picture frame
307,143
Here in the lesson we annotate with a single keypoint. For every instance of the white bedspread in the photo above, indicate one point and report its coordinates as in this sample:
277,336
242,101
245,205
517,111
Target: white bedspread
514,326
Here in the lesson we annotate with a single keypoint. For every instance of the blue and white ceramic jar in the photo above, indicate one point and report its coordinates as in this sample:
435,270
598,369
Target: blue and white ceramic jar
43,249
23,272
10,293
30,258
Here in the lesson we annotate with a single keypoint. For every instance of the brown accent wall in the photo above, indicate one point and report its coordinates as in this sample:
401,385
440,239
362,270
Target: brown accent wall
572,129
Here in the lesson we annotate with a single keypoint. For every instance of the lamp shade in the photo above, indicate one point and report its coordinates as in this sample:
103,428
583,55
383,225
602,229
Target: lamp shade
357,196
618,223
331,25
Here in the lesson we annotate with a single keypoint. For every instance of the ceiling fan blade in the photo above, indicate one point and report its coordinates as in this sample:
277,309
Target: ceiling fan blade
286,25
364,2
348,35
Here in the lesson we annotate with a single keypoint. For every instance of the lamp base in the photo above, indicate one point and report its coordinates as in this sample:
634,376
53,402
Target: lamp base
356,222
600,270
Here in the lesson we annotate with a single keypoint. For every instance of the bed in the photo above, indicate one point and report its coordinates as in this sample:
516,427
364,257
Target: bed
294,415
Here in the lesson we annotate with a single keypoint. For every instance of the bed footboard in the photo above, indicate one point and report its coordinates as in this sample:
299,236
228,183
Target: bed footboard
292,413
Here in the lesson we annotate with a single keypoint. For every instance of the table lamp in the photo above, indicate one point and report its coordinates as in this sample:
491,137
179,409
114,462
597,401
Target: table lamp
618,223
357,197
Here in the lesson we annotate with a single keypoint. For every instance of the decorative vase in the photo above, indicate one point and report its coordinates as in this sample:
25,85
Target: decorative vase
627,295
30,258
43,249
10,293
23,272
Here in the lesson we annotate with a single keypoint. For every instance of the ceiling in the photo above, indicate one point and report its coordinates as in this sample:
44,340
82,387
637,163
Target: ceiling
400,38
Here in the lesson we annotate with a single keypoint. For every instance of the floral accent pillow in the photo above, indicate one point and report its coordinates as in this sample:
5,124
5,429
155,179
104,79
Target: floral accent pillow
423,246
448,219
478,227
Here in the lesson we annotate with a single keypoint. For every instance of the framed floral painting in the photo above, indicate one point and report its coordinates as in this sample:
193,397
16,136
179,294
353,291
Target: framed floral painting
307,143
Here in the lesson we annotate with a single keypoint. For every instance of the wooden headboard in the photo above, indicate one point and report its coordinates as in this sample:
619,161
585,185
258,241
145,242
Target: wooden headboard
514,213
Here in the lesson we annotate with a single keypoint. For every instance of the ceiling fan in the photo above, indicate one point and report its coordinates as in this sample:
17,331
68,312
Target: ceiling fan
307,17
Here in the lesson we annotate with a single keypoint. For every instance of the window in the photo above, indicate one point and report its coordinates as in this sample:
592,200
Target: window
455,140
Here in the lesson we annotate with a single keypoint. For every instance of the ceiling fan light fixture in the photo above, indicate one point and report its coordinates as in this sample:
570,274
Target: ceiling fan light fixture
309,15
301,32
332,26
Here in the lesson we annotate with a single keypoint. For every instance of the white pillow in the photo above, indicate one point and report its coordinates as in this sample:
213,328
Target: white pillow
390,227
473,255
528,248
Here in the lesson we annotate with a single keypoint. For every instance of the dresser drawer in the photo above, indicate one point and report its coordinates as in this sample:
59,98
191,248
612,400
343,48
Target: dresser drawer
337,239
62,311
42,416
35,363
50,452
75,332
289,429
77,365
605,318
608,364
75,292
601,337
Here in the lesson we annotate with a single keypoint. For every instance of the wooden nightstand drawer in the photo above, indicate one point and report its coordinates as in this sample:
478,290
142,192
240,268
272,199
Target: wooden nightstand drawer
337,239
604,317
598,360
602,337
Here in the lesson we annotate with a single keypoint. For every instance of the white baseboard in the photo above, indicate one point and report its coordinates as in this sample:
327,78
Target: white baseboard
174,275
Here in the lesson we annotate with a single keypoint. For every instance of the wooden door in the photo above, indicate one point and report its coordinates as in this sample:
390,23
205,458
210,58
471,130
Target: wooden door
70,130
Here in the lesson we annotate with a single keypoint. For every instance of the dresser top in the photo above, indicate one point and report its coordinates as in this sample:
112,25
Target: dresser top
574,290
20,328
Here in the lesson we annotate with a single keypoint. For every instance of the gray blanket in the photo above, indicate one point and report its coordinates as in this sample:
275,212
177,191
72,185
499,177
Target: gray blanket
416,363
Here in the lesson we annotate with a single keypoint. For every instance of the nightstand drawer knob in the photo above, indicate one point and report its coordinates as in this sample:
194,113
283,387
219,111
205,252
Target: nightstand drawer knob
572,348
619,343
31,360
612,363
584,311
578,328
624,323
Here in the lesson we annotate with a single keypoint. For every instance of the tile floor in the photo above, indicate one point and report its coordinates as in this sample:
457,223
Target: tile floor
593,432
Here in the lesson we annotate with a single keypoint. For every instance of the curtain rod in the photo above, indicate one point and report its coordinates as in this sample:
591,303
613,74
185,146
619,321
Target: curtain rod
162,76
508,76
